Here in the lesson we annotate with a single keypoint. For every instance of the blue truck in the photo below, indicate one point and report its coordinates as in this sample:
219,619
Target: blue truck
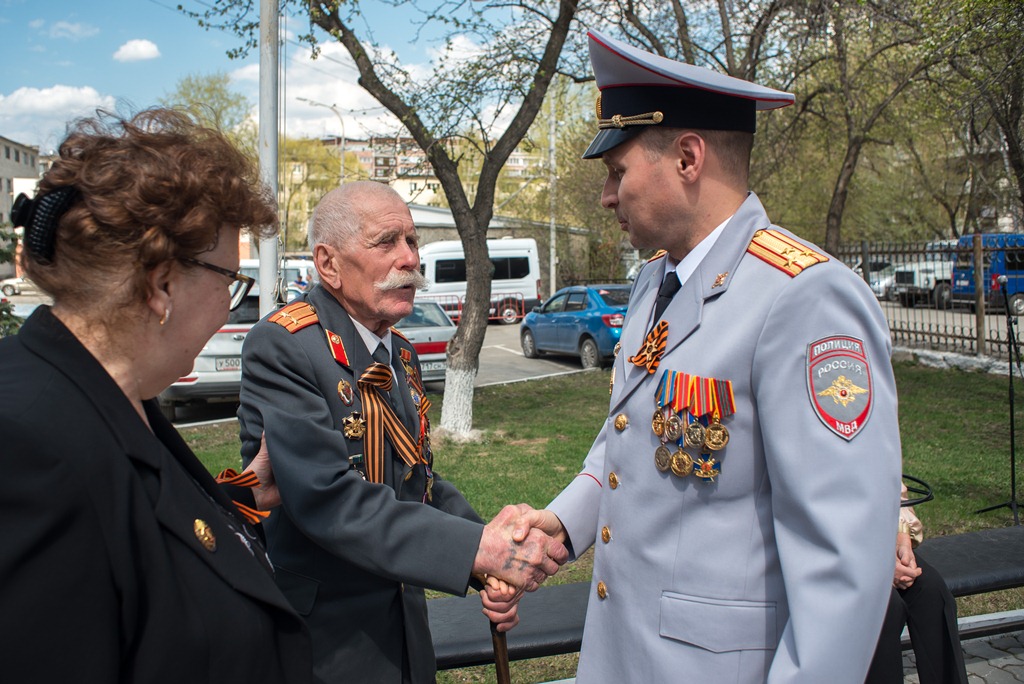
1002,255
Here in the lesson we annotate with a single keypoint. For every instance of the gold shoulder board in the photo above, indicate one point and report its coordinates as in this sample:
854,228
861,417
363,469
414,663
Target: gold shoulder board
657,255
295,316
783,252
398,333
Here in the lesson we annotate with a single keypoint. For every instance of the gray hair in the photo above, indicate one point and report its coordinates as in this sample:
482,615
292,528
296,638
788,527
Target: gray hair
339,215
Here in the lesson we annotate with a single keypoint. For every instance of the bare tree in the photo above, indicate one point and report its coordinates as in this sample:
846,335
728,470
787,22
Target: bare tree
496,92
990,59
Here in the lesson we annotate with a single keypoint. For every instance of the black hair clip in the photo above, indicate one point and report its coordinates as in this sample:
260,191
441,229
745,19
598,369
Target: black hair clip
39,218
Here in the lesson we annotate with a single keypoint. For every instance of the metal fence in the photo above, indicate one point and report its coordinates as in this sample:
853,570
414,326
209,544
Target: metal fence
942,297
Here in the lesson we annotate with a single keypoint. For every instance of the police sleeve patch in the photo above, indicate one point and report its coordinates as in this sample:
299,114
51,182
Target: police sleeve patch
839,384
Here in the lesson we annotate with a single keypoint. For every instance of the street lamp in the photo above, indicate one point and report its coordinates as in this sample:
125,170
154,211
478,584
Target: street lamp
341,121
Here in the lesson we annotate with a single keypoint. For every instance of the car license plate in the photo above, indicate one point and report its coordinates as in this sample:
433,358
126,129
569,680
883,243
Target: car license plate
229,363
430,366
960,283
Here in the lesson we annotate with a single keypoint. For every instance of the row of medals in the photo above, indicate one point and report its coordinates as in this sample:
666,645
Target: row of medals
695,435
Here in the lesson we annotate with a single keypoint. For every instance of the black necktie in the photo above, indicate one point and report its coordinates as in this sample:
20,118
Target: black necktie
669,286
380,355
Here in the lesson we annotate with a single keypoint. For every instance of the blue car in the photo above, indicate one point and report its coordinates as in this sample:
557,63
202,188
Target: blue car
582,320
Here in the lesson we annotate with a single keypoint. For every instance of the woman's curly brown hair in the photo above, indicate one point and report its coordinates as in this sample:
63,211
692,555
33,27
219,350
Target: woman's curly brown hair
150,189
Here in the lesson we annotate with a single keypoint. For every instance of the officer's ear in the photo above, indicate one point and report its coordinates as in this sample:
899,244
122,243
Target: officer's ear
690,152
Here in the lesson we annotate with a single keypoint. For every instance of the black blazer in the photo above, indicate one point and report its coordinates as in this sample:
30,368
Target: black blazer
104,573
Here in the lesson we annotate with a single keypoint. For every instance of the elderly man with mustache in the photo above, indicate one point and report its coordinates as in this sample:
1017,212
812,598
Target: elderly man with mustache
365,523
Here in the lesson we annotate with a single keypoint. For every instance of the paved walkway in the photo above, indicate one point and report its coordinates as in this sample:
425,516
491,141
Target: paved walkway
996,659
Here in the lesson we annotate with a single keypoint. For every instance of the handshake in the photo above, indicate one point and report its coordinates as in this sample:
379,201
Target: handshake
520,548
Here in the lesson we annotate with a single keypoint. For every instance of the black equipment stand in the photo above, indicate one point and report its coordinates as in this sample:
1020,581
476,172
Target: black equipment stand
1014,350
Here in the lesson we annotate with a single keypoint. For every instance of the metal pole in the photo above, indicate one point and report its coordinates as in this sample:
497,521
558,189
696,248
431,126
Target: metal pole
552,165
865,262
333,108
979,295
268,144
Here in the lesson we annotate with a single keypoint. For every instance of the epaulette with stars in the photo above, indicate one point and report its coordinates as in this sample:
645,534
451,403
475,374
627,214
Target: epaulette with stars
295,316
783,252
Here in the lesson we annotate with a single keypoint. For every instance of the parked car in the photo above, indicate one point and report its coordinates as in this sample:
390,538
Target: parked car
17,286
217,372
582,320
881,278
928,279
429,329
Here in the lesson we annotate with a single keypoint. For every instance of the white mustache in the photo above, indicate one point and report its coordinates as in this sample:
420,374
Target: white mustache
400,279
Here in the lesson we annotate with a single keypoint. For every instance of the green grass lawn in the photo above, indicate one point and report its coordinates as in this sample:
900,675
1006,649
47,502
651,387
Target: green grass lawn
954,425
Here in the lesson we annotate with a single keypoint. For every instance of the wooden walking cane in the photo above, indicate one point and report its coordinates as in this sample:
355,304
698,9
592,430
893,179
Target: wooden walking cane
500,643
500,655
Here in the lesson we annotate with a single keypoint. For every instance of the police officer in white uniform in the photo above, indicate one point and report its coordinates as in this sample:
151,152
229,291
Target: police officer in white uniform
743,490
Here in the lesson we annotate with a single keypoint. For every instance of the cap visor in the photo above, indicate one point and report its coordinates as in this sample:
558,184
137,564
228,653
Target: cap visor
607,138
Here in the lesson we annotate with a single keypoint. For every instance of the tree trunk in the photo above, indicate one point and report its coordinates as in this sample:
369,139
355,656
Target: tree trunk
464,349
834,221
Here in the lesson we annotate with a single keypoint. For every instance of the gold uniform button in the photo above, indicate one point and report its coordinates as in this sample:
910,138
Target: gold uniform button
602,591
613,480
606,534
205,535
621,421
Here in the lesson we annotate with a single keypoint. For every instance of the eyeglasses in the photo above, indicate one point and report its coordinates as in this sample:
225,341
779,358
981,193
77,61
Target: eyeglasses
240,284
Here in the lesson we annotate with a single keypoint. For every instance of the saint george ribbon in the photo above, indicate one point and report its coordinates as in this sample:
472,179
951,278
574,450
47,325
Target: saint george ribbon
649,356
246,479
380,420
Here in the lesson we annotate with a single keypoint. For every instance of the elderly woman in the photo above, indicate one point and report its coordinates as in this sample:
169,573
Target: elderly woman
921,601
123,560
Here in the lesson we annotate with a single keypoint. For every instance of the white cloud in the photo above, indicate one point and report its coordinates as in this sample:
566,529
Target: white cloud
39,116
461,49
36,23
137,50
74,31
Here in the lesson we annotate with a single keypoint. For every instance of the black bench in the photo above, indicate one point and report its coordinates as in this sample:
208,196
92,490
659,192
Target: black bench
977,563
550,623
551,618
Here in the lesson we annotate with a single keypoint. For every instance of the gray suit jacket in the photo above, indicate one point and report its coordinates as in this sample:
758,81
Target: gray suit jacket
780,570
350,555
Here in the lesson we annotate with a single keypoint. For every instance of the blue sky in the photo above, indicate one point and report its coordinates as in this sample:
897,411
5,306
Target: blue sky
64,58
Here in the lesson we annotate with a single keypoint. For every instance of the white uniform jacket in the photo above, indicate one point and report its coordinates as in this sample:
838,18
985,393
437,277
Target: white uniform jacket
780,569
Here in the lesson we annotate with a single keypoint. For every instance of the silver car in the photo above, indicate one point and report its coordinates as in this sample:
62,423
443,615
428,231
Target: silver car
18,286
217,372
429,329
